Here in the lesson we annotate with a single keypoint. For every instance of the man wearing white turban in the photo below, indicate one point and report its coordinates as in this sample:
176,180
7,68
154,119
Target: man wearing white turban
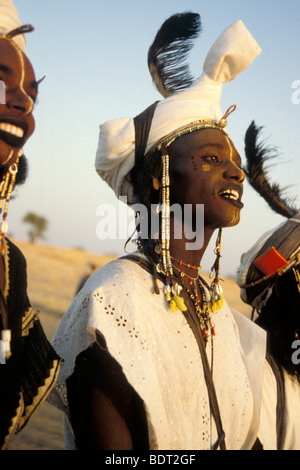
153,356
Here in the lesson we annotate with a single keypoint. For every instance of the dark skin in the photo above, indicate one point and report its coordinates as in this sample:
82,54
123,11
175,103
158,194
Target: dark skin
203,165
100,422
21,88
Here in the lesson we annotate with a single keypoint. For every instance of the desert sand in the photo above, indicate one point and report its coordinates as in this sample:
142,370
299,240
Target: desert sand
53,275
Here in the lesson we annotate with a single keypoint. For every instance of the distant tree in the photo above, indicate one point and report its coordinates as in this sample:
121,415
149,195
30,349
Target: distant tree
39,225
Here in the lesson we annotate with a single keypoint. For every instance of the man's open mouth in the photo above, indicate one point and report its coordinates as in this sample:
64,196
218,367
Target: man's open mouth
13,133
233,196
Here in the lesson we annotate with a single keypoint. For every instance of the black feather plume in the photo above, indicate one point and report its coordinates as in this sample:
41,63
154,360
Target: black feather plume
168,51
257,154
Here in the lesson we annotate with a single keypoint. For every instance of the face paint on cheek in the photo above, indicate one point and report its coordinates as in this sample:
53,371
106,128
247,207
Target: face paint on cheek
205,167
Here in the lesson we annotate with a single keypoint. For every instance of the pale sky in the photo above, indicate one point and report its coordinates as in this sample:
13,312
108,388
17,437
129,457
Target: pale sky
93,53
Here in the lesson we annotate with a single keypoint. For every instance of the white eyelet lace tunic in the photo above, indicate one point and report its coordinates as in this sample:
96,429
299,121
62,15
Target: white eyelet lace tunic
160,358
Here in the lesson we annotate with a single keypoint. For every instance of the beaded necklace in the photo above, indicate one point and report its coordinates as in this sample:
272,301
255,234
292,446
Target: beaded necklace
195,292
183,274
181,263
202,312
197,296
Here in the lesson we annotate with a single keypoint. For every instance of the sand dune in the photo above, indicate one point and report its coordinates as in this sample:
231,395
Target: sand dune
53,275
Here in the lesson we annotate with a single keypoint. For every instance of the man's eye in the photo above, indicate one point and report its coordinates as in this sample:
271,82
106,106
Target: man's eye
211,158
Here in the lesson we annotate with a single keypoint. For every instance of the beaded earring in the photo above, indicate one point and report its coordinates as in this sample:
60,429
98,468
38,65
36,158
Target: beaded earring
165,217
172,288
216,291
6,187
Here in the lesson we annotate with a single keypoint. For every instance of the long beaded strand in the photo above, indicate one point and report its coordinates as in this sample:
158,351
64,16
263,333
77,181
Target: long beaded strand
6,188
165,228
216,291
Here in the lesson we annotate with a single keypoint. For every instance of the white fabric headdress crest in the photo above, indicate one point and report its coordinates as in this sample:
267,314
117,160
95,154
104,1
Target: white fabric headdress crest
231,53
10,20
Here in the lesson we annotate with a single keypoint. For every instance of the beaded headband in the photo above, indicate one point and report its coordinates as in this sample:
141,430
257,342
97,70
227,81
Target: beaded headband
166,141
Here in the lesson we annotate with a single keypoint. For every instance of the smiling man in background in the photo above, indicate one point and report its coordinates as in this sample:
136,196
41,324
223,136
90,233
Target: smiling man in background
29,365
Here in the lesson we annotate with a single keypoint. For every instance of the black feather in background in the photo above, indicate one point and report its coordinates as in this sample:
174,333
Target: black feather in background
168,51
257,154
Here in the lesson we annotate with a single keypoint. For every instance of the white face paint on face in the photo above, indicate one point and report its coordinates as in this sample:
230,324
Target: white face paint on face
16,119
236,215
22,80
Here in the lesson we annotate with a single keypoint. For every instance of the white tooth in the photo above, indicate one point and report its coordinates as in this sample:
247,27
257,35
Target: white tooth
14,130
230,193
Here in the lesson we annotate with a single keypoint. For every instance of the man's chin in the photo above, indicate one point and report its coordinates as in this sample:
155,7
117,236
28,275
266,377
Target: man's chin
230,220
235,220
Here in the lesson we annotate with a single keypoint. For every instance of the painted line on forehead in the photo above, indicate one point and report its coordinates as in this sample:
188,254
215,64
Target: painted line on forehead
230,147
22,62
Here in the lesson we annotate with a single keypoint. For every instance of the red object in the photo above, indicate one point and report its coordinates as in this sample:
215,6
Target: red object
270,261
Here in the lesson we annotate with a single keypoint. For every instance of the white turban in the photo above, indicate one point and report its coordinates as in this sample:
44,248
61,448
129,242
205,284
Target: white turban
231,53
9,20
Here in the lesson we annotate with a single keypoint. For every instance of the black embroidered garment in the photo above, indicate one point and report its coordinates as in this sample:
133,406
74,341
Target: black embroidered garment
30,373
